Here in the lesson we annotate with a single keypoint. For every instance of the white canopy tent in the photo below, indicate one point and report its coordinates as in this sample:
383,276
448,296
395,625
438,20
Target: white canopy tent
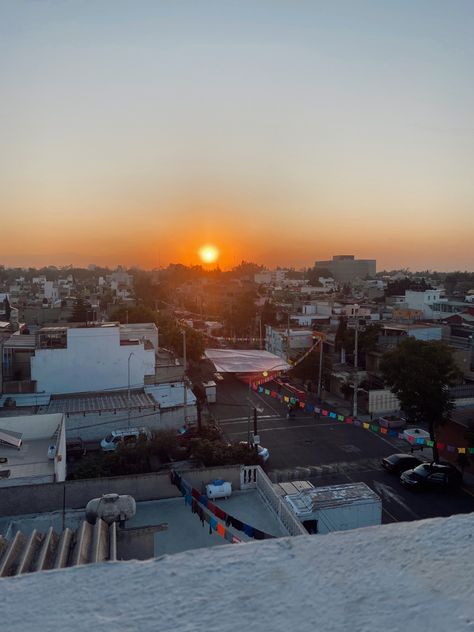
245,361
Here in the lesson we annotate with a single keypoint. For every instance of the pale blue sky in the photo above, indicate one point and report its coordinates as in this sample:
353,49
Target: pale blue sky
326,127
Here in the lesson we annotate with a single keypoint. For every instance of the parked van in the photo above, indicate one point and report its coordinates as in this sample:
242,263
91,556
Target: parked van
125,436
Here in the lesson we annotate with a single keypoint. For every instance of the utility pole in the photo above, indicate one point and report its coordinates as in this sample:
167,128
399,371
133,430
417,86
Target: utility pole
255,429
128,390
250,408
356,376
184,377
320,377
357,327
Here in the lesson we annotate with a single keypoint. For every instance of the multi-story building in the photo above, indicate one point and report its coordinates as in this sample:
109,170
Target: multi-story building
346,268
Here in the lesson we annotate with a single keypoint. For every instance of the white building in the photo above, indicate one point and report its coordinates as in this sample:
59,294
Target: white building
425,302
81,359
140,332
270,277
287,344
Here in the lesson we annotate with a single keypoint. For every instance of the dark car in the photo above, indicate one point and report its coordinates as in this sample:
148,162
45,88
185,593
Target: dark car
75,448
443,476
398,463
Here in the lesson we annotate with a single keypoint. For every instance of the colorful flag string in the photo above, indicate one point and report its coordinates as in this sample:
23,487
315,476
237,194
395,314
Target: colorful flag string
201,505
312,408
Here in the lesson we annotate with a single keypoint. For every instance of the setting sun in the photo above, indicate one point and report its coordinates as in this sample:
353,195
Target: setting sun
208,254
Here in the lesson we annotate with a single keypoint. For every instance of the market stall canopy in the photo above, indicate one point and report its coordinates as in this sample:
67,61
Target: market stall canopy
245,361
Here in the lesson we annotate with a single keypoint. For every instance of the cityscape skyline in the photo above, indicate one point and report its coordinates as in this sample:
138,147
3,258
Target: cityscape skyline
277,134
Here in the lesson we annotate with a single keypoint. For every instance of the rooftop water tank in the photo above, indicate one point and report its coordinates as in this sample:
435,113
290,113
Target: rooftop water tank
111,508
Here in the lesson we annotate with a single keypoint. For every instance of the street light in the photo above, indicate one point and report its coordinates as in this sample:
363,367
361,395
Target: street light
128,391
355,324
184,377
255,409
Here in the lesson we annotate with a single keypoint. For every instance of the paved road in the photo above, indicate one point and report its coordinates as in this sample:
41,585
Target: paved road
327,452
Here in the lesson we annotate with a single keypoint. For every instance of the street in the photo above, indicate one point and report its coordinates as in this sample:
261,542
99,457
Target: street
328,452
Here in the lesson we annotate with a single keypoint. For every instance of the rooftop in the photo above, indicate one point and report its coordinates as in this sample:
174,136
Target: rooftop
369,579
100,401
31,460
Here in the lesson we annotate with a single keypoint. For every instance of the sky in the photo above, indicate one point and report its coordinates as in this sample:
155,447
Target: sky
137,131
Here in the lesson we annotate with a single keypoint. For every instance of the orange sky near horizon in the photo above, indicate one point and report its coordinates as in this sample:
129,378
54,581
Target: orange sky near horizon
280,134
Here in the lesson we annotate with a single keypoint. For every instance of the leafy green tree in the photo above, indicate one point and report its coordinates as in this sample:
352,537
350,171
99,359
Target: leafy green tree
240,318
313,274
138,314
419,373
79,312
268,314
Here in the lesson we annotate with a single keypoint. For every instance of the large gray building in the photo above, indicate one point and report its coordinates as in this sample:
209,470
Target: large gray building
346,268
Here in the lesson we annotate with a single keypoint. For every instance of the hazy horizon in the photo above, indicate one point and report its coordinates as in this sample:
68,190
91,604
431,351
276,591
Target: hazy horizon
279,132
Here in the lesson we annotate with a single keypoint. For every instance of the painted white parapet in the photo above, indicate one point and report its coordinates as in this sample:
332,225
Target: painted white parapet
253,477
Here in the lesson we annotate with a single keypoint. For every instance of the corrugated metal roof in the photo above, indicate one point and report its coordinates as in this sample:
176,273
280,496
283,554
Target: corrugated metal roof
27,399
23,341
101,401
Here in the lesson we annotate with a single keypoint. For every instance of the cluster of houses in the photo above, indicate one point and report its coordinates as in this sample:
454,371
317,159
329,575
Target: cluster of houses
50,297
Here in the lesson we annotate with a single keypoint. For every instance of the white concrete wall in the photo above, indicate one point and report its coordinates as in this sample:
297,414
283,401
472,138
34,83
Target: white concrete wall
422,300
94,426
60,459
383,401
148,331
94,360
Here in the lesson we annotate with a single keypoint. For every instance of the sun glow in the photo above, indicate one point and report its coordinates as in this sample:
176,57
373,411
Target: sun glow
208,253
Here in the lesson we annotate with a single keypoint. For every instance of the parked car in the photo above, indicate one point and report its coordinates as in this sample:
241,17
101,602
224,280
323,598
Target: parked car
185,433
391,422
125,436
75,448
398,463
443,476
263,453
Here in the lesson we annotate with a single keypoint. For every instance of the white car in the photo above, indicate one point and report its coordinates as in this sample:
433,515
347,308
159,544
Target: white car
263,453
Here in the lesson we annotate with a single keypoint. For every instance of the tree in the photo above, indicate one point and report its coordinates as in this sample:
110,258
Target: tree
419,373
268,314
79,313
136,314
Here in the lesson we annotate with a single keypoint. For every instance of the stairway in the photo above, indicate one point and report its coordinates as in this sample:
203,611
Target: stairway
44,551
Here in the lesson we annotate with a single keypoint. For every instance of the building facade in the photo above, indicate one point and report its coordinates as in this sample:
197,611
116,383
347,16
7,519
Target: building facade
346,268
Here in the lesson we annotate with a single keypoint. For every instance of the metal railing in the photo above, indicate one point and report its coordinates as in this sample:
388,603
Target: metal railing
254,477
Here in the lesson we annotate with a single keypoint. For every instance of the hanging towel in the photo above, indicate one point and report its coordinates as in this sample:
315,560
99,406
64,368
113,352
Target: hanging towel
237,524
248,530
220,513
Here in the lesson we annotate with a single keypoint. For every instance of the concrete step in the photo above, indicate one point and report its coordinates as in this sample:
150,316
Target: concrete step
63,549
99,551
47,552
3,545
82,545
12,555
113,542
30,553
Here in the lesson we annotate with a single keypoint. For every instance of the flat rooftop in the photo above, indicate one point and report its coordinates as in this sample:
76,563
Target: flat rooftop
30,461
100,401
176,528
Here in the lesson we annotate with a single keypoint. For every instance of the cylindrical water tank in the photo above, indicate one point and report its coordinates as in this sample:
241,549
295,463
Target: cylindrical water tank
111,508
219,489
